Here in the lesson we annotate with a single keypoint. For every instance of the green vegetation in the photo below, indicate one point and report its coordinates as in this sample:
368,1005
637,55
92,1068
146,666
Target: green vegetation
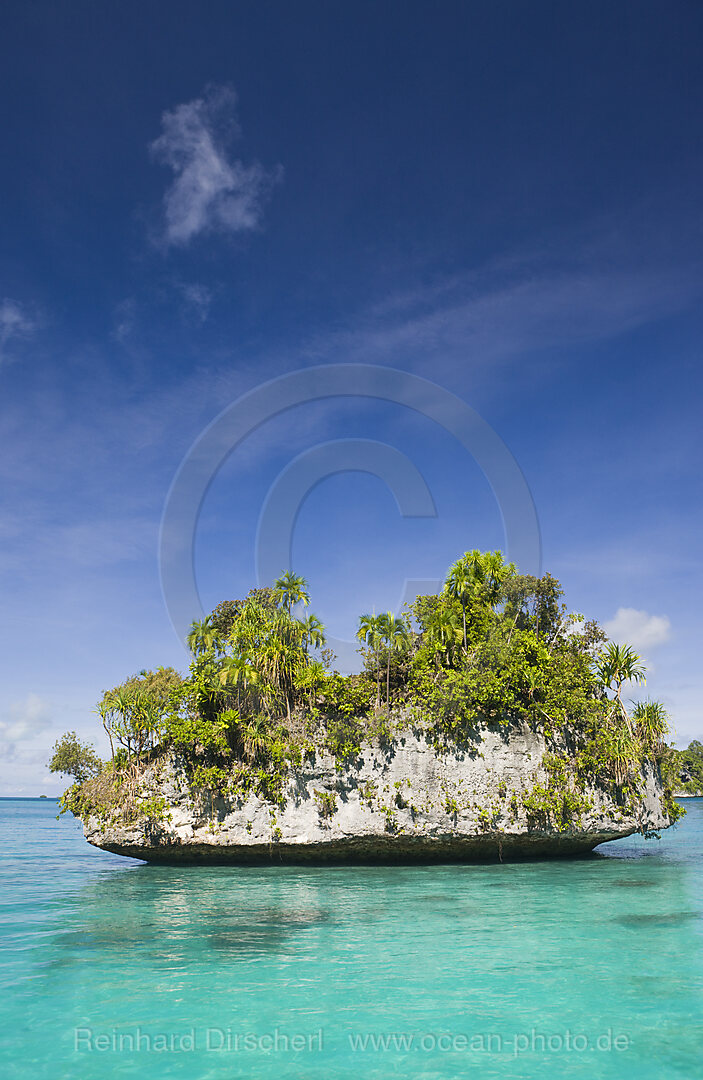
326,802
387,638
495,648
134,714
682,770
73,758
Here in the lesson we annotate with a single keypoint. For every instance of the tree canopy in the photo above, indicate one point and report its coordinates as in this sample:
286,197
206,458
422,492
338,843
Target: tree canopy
492,647
74,758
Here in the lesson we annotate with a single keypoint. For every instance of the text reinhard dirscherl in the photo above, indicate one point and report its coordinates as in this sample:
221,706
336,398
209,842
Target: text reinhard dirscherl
212,1039
226,1040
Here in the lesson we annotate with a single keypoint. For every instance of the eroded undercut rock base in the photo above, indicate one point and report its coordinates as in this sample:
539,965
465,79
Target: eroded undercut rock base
404,802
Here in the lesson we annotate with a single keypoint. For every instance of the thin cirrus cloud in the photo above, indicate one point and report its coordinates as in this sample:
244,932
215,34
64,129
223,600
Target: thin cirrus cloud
211,191
15,323
537,309
638,628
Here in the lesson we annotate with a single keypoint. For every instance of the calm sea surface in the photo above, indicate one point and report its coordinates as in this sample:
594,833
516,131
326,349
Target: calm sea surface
586,968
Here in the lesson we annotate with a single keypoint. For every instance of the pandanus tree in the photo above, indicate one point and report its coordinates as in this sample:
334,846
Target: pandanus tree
121,702
256,737
133,714
134,718
624,754
615,665
276,646
106,711
249,664
283,656
651,723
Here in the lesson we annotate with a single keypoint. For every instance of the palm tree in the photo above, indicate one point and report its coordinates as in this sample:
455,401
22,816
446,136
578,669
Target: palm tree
477,576
494,573
290,589
310,678
446,631
396,637
369,633
313,632
236,671
464,581
202,637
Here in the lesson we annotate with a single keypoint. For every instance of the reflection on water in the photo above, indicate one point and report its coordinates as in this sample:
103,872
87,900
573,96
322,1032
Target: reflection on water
656,917
633,884
607,943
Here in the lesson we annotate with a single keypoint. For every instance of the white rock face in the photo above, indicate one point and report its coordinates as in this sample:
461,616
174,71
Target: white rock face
404,802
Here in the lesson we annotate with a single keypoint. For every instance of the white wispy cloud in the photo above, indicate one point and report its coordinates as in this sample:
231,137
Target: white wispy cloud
124,319
15,322
474,323
211,191
198,299
23,722
638,628
91,544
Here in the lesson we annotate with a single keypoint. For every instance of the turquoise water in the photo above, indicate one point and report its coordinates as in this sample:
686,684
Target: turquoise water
583,968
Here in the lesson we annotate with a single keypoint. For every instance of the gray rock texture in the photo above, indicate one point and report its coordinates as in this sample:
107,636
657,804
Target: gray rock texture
403,802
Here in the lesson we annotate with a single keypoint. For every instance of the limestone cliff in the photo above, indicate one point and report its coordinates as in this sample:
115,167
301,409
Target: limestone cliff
401,801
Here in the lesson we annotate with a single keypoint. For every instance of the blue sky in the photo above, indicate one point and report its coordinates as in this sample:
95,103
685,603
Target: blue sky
503,198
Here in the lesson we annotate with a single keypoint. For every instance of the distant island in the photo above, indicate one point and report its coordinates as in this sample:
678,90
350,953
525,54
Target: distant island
683,770
487,722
